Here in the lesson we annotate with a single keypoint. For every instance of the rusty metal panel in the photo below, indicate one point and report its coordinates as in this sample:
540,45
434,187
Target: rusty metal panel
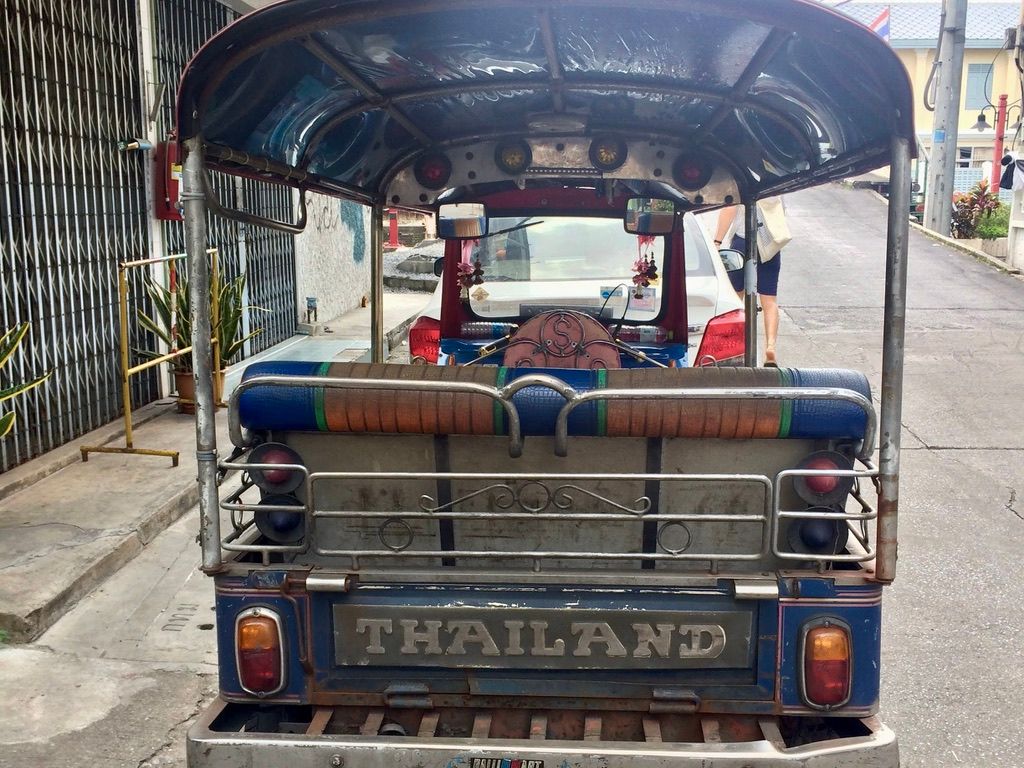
533,638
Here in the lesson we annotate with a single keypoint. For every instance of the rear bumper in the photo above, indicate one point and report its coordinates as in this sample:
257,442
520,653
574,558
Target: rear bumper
210,749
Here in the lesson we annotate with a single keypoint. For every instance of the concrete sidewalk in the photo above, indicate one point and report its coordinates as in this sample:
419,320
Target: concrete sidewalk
67,525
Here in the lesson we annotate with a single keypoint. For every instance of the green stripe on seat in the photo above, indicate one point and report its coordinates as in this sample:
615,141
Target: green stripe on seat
499,411
602,405
318,399
786,414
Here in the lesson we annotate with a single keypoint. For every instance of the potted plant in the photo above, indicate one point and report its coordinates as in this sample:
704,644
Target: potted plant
227,331
9,342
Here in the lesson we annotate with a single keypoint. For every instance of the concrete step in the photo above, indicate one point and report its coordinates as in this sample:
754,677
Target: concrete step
68,532
66,526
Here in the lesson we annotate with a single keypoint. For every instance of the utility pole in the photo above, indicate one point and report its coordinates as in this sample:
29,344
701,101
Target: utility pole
946,127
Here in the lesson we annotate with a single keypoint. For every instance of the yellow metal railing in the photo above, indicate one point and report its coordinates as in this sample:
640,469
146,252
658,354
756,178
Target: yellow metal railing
128,370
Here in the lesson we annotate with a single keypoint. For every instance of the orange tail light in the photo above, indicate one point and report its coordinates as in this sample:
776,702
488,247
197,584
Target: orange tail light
259,651
827,662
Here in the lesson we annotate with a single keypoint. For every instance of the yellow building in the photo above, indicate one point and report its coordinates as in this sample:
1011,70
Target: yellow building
988,71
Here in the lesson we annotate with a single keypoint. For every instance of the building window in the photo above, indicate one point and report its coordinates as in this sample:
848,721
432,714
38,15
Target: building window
979,86
964,155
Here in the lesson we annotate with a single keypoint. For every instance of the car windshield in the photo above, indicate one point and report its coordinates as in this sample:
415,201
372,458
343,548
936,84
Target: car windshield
549,262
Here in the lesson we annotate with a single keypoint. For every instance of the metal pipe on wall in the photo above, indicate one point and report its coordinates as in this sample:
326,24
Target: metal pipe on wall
890,420
377,283
202,352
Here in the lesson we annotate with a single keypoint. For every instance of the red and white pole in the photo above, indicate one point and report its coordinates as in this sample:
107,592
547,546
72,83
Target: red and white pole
1000,131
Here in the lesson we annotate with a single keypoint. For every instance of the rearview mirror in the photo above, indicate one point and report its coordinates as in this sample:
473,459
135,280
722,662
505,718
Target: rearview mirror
649,216
733,260
438,266
461,221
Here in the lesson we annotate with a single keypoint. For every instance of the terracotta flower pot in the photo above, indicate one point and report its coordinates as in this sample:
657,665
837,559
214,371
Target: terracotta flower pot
185,383
186,386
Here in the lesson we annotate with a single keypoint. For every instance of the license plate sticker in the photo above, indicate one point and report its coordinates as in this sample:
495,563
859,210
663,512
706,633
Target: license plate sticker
504,762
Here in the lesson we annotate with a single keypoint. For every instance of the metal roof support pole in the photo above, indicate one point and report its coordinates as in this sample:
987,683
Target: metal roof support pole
377,282
750,284
194,201
892,359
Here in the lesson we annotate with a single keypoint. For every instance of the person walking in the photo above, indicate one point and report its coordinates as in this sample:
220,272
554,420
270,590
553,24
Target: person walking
731,229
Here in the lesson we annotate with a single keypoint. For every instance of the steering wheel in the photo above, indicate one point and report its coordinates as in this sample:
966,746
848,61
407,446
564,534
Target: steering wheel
562,338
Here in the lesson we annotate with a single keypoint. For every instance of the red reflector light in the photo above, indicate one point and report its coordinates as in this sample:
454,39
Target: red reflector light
723,339
277,476
826,651
822,483
425,340
433,171
259,651
275,479
824,489
692,172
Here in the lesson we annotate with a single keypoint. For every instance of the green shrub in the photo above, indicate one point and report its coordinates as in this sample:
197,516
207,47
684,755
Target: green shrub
970,208
996,224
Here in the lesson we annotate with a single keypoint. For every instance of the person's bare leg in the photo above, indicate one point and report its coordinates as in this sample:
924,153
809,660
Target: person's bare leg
770,308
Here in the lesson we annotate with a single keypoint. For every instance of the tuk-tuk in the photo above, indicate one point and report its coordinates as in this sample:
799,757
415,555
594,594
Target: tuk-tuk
573,543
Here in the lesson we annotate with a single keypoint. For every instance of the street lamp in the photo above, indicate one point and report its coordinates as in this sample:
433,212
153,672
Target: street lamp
982,124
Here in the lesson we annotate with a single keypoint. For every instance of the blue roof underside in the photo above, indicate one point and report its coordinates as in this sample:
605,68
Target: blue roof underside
348,90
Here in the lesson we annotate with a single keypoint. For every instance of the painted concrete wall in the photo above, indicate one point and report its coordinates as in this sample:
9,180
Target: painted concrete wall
332,260
1004,80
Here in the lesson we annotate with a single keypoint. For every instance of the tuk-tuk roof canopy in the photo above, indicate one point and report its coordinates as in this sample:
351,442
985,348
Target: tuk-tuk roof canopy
342,96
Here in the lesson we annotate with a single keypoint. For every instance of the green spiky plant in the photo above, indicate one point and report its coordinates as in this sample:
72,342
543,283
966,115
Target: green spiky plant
8,343
229,325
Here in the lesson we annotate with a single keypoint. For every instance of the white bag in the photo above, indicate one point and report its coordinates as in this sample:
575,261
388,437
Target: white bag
773,231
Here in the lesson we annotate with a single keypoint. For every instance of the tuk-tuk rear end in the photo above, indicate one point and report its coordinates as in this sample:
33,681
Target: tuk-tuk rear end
574,542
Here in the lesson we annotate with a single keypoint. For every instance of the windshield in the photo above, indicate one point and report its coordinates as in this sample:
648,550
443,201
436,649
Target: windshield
545,262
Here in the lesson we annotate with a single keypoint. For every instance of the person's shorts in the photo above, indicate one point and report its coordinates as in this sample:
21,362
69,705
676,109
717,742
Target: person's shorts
767,272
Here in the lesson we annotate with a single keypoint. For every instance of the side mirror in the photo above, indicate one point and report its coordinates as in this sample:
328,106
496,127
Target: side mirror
461,221
438,266
649,216
733,260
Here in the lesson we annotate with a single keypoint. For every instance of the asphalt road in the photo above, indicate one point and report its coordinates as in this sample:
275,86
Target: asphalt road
115,682
953,661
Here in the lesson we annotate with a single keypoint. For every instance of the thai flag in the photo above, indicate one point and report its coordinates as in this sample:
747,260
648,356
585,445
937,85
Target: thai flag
880,26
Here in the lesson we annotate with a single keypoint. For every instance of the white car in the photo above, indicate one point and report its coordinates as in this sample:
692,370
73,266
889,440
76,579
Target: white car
569,273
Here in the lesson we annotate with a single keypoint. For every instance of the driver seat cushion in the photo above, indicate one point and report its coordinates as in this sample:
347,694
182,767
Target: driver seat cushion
322,409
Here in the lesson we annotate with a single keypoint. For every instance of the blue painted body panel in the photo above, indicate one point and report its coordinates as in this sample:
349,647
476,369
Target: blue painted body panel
769,683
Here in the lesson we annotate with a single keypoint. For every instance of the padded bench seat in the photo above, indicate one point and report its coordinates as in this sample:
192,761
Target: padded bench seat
324,409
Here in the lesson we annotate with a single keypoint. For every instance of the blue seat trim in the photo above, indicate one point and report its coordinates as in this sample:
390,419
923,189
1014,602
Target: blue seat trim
827,418
279,408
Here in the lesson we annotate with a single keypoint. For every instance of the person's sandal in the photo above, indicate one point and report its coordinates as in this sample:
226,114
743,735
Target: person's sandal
769,359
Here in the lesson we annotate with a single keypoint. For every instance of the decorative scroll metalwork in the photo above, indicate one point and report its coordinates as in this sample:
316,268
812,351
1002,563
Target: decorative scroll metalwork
543,498
562,339
507,496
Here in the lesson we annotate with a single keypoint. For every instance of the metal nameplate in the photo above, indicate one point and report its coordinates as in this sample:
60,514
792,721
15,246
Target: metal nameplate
528,638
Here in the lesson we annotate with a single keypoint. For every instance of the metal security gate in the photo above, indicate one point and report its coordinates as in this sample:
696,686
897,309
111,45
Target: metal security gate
72,205
267,257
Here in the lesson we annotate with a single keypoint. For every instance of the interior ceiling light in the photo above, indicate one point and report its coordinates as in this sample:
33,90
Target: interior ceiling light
433,171
691,172
513,157
607,154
